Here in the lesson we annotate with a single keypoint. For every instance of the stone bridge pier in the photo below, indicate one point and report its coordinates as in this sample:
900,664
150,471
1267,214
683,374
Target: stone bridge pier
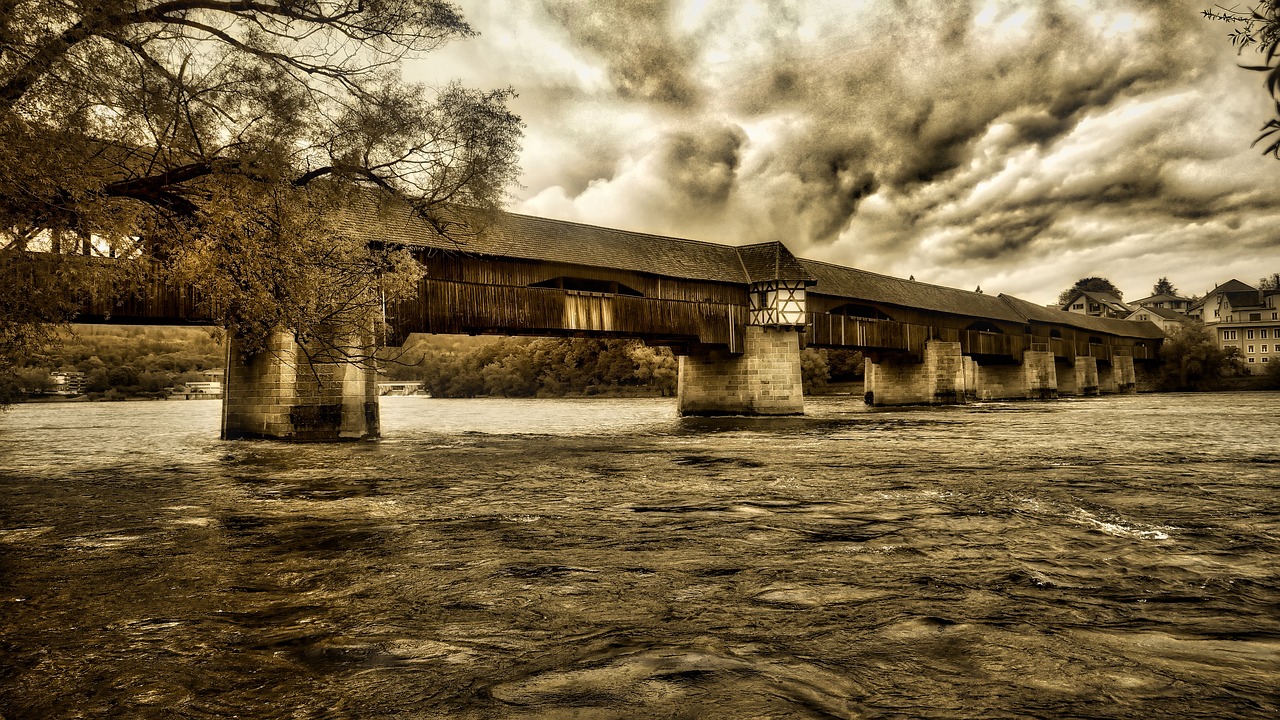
280,394
938,378
1035,378
763,380
945,377
1080,378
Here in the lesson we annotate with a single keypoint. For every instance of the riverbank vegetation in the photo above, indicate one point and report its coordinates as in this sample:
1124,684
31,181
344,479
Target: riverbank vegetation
118,362
557,367
1193,361
122,362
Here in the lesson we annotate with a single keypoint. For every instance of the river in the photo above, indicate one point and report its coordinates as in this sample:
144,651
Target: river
1108,557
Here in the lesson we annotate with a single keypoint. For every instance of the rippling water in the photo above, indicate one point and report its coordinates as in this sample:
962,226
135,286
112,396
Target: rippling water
1097,558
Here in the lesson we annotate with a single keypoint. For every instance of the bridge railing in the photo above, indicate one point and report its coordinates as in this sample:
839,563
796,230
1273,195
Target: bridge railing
1070,350
828,330
448,306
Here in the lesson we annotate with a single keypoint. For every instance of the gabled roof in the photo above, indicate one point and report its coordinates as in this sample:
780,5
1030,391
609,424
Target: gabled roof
510,235
1113,326
772,261
1159,298
1229,286
1165,313
1104,298
1244,299
862,285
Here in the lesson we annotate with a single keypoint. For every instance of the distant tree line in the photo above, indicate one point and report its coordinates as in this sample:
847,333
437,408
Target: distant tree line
117,361
558,367
120,362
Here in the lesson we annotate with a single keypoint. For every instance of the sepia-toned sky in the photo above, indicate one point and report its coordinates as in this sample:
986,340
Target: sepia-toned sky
1015,145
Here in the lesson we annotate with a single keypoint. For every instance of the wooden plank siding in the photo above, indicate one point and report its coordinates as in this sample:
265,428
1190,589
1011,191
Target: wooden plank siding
826,330
471,294
523,273
839,331
148,302
448,306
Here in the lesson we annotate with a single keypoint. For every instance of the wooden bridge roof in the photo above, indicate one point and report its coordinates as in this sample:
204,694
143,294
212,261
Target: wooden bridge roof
1110,326
846,282
510,235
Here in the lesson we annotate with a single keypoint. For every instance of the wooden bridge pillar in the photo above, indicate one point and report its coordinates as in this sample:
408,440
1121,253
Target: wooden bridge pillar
280,394
939,379
763,380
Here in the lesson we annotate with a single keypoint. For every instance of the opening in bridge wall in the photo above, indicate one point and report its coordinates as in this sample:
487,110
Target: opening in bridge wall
983,326
607,287
860,311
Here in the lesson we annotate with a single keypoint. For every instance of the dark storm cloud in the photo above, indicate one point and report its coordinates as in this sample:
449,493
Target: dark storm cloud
978,137
701,166
632,37
929,97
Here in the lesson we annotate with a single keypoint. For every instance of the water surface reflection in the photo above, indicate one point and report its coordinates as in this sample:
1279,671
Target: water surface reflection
605,559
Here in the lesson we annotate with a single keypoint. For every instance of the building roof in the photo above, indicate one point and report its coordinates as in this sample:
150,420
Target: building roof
1165,313
863,285
1244,299
1229,286
1105,298
1159,299
772,261
511,235
1113,326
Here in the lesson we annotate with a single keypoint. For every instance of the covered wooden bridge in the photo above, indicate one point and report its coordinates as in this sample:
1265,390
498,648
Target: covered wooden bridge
736,316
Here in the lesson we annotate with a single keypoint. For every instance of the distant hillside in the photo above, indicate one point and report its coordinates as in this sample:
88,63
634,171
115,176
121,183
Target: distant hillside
123,360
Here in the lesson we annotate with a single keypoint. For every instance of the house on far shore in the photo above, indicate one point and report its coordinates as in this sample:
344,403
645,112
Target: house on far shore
68,382
1210,308
1249,321
1167,320
1168,302
1097,304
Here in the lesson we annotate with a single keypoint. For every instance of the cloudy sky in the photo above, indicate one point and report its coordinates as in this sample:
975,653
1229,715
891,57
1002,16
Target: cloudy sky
1015,145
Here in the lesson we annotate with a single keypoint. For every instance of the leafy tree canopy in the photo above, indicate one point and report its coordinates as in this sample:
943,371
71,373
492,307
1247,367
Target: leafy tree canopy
219,136
1270,282
1193,360
1090,284
1258,28
1164,287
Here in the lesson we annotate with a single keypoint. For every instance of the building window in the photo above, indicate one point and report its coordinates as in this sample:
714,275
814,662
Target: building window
1215,313
1229,335
1078,306
1265,359
1251,359
1255,317
1248,334
1264,348
1264,333
1275,316
1250,348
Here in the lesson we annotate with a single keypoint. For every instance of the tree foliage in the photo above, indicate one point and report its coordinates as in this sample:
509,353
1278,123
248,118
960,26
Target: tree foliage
1164,287
542,367
1270,282
1193,360
1258,28
222,137
1090,284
